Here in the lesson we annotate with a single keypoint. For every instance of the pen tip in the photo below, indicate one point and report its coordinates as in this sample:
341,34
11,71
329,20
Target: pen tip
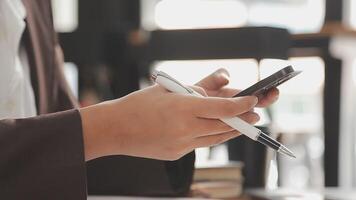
284,150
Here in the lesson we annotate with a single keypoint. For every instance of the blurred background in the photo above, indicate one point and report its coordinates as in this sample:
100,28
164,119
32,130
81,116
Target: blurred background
111,46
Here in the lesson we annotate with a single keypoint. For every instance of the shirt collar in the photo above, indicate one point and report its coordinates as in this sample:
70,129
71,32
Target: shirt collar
18,8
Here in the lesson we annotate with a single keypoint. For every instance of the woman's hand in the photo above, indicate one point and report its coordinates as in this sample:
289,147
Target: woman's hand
155,123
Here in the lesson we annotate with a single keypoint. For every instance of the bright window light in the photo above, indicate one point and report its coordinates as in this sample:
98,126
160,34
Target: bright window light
303,16
65,15
351,13
189,14
297,16
310,81
243,72
71,74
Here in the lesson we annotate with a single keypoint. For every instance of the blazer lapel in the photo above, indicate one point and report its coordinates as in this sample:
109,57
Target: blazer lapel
39,44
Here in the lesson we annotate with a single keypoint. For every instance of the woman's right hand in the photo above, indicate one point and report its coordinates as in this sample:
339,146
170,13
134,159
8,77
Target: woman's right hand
155,123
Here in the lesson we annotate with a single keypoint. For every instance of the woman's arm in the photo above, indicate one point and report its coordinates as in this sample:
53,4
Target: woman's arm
42,157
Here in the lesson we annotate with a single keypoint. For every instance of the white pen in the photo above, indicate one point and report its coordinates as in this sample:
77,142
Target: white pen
238,124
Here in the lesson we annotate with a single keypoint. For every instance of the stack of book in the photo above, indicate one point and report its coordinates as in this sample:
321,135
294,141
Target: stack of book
218,180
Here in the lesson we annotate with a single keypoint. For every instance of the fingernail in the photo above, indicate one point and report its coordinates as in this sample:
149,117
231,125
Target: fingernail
255,99
225,76
275,95
222,77
257,118
222,72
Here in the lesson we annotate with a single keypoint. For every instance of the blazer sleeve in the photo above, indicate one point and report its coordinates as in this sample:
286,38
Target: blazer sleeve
42,157
131,176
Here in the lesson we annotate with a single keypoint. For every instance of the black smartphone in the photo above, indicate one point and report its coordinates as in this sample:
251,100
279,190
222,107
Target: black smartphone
260,88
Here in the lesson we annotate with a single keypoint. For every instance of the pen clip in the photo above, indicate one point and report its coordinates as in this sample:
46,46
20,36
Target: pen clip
160,73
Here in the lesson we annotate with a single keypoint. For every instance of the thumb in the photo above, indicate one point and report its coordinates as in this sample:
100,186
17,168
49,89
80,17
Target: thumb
216,80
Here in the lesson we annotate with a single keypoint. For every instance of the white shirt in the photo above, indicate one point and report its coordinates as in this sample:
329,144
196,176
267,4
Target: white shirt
16,93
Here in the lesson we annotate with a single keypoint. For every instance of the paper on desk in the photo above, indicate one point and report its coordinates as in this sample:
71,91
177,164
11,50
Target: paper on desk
340,194
322,194
136,198
287,194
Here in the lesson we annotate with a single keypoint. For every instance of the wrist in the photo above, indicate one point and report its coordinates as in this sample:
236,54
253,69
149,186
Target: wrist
96,126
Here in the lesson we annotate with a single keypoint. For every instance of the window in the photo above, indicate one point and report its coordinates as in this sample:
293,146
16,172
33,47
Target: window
243,72
65,15
185,14
71,74
350,13
343,47
298,15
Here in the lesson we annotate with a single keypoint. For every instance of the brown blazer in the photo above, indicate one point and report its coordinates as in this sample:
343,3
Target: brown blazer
42,157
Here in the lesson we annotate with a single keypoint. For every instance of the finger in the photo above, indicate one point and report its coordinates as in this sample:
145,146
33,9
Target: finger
205,127
227,92
211,140
250,117
198,89
268,99
216,108
216,80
